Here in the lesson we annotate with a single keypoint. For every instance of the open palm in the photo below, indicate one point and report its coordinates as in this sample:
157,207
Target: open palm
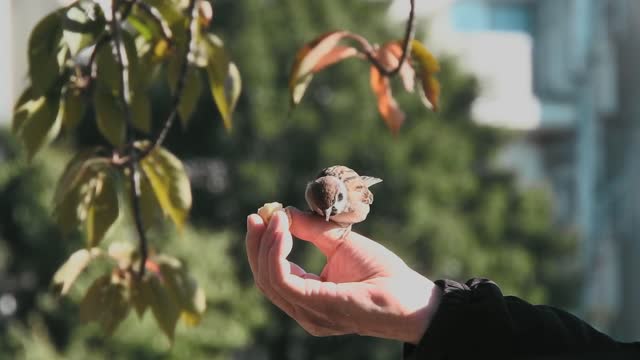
364,288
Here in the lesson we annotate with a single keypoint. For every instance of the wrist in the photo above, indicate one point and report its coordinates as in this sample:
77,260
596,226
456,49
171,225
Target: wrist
418,318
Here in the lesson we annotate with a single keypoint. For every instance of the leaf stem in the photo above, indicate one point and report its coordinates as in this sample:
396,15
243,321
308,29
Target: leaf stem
124,93
409,35
192,10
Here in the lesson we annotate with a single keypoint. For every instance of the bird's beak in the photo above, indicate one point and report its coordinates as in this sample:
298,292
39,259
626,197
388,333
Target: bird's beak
327,214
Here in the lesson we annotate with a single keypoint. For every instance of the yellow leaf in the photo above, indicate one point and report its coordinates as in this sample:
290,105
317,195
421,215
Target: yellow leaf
224,79
102,207
72,268
170,184
36,121
427,67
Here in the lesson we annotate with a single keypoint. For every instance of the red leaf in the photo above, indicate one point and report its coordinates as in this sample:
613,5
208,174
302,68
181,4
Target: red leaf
390,55
315,56
336,55
387,105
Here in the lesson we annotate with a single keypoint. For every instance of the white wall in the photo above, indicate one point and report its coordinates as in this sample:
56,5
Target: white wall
6,60
17,18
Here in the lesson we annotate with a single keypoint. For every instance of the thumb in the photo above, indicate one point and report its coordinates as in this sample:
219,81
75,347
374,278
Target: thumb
325,235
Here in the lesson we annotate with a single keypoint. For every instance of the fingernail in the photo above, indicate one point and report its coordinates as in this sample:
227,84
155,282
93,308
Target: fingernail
287,211
249,221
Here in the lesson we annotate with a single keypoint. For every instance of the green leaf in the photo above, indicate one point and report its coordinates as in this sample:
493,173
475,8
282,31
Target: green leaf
109,107
36,121
170,184
141,26
169,10
183,289
191,91
83,17
105,302
141,111
314,56
44,68
67,274
102,206
21,109
110,117
109,75
79,28
164,308
84,192
73,108
67,195
139,295
224,79
149,206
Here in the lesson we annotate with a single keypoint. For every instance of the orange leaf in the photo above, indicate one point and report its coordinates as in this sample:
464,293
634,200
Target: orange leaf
390,55
387,105
427,67
313,57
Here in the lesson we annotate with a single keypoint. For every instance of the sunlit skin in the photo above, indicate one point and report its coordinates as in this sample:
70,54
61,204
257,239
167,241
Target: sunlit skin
364,288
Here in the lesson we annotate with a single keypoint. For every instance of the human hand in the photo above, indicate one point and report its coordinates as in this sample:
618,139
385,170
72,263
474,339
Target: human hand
364,288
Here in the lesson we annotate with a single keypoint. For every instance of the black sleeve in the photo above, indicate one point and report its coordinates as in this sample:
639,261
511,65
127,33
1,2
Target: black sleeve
475,321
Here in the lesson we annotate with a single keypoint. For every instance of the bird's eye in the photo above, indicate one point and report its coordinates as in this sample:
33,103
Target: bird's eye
340,197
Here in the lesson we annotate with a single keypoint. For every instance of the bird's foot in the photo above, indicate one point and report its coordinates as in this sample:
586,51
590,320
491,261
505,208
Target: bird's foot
344,231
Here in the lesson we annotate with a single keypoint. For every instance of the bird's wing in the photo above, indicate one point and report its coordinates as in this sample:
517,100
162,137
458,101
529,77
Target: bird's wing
339,171
367,196
358,191
370,180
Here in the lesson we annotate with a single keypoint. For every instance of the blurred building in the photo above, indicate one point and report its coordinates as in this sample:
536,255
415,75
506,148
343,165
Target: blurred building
565,72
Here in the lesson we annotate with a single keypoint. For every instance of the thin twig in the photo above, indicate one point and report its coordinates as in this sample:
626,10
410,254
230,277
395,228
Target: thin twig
155,15
124,92
409,35
192,10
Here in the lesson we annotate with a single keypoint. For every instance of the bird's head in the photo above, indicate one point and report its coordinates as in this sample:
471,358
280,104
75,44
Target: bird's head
327,196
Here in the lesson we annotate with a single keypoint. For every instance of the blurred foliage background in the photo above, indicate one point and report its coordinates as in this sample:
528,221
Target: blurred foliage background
444,206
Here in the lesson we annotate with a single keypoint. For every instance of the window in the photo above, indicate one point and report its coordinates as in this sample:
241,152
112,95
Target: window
478,15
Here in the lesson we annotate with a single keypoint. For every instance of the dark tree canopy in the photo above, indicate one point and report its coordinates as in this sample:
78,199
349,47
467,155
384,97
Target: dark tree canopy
443,206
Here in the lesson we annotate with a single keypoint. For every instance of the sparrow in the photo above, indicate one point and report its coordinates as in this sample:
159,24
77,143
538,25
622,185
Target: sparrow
341,195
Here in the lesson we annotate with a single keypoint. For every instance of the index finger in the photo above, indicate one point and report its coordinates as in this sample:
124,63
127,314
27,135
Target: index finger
325,235
255,229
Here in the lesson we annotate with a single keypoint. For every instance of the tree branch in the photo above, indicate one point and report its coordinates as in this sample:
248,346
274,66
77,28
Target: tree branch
101,41
192,9
409,35
124,93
